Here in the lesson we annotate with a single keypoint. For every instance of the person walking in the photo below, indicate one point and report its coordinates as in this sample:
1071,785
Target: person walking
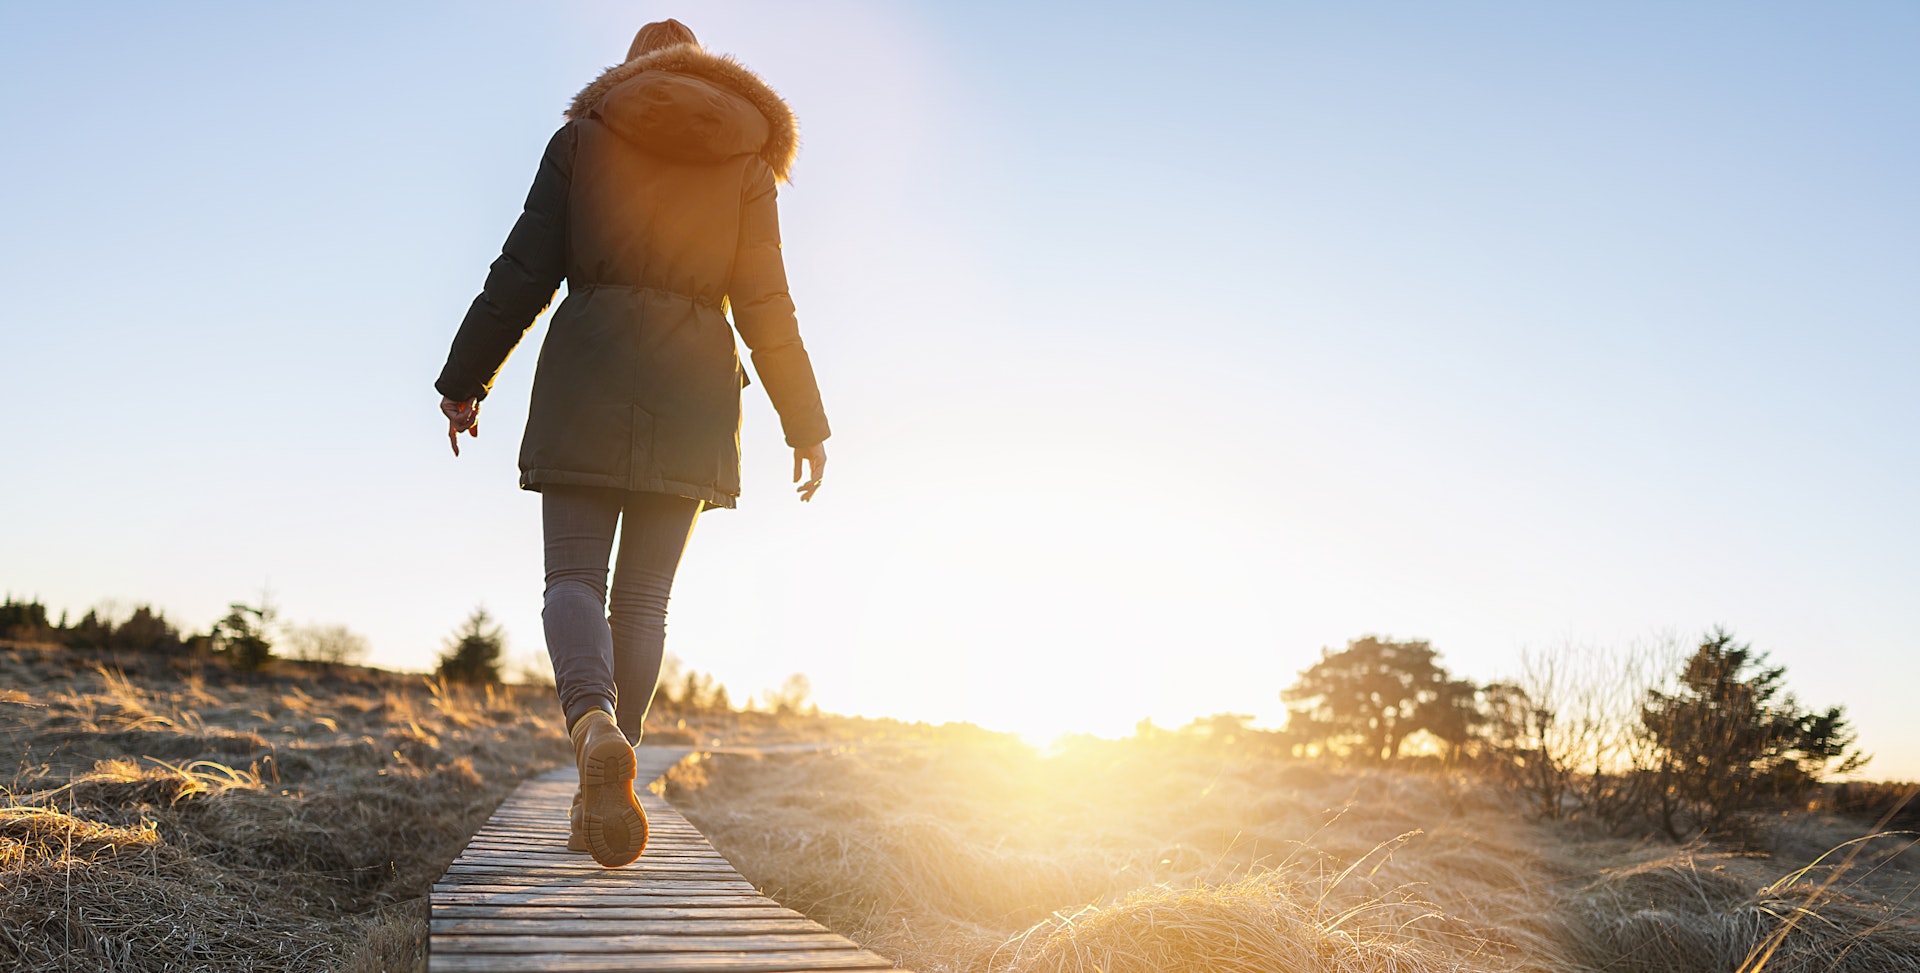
655,202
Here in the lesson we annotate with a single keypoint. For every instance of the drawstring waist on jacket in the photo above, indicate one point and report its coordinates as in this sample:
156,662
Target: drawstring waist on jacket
580,287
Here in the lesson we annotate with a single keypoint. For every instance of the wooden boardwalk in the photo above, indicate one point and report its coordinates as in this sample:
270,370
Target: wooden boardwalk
516,899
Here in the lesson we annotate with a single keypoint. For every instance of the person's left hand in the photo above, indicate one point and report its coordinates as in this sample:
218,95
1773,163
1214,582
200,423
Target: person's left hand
461,417
815,458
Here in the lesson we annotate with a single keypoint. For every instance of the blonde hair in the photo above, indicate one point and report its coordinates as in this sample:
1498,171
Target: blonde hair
661,34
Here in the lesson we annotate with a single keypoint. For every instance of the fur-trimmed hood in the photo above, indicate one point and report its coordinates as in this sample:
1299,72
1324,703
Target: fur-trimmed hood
690,105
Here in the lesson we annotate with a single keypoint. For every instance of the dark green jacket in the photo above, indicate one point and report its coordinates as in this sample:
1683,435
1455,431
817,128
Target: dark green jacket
655,202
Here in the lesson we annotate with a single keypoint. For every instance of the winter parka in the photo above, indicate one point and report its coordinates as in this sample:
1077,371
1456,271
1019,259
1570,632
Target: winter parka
655,202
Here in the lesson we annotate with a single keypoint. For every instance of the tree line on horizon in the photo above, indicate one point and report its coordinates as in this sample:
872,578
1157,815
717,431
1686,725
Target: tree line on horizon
1690,746
251,635
247,638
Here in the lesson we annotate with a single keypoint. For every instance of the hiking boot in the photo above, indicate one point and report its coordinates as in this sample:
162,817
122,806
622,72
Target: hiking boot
610,817
576,825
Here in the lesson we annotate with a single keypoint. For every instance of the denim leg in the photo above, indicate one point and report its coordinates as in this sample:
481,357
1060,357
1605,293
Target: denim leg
578,523
653,535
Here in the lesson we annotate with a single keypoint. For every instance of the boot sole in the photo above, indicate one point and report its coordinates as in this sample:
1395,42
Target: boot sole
611,819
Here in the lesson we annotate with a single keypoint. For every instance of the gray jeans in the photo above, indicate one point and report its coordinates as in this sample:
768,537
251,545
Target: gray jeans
601,659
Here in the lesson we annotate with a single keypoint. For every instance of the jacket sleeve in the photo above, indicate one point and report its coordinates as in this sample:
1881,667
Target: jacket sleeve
520,284
763,312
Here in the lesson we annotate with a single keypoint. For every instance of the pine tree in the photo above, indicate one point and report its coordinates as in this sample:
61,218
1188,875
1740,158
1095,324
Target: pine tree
1730,739
474,650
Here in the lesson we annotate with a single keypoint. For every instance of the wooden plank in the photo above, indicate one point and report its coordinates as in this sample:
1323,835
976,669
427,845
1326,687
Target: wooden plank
644,943
557,824
556,830
497,885
612,913
493,885
623,878
552,871
555,845
549,871
626,874
559,852
550,866
512,881
605,899
781,962
542,925
650,866
656,844
534,840
556,811
586,878
544,851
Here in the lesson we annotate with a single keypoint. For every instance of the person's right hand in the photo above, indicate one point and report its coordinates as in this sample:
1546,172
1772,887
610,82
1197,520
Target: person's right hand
461,417
814,456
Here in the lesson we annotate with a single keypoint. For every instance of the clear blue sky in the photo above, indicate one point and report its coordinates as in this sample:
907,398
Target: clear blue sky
1164,345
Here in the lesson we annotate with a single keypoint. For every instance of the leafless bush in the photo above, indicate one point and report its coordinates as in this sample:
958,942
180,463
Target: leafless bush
1567,732
335,644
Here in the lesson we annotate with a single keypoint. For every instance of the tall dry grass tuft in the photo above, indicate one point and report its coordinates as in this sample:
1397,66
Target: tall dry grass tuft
1694,912
39,834
1265,924
1288,920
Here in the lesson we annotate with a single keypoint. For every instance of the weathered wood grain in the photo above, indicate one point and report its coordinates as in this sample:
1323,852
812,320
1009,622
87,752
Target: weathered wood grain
646,943
784,962
517,900
555,925
577,898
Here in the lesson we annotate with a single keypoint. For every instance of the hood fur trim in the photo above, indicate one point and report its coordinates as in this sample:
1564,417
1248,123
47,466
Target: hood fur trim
783,142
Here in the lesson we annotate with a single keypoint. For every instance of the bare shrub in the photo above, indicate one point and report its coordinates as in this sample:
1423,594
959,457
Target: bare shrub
1566,732
791,697
333,644
683,691
530,669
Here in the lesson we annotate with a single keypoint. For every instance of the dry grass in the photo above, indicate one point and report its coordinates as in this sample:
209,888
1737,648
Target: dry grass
164,817
182,818
1186,855
168,815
